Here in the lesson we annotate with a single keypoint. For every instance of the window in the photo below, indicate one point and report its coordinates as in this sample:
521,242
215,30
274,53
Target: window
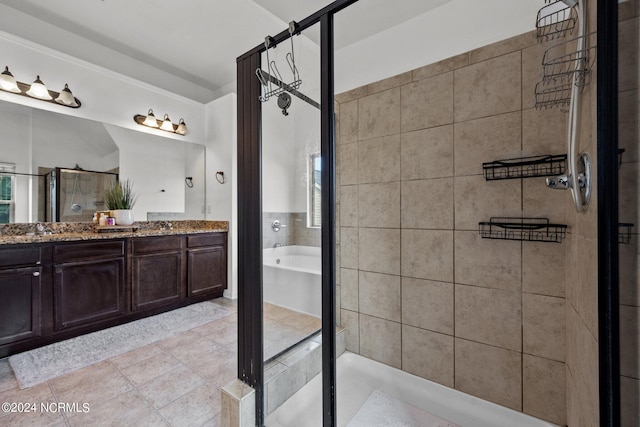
314,205
7,192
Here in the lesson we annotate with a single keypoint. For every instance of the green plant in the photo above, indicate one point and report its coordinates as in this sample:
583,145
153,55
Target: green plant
120,196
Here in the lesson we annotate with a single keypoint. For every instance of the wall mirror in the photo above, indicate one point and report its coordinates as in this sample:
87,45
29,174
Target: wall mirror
55,167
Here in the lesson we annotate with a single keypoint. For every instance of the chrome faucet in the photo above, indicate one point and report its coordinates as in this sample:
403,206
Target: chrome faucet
39,229
277,245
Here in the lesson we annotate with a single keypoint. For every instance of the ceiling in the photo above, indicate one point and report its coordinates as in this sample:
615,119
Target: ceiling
188,47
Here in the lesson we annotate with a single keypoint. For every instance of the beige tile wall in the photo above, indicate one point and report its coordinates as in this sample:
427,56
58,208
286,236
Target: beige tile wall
629,180
420,290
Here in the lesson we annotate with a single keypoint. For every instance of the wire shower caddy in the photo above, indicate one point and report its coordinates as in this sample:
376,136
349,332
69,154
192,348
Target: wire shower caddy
564,66
555,20
525,167
522,229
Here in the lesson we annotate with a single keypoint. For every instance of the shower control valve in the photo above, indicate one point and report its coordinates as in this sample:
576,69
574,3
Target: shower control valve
276,226
560,182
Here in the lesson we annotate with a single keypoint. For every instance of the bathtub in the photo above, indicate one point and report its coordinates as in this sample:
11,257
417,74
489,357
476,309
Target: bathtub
358,376
292,278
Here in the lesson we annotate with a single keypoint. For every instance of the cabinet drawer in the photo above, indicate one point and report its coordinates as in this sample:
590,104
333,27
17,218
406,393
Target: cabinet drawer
210,239
16,256
78,251
156,244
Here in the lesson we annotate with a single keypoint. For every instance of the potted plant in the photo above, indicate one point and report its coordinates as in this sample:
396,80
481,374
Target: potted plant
120,199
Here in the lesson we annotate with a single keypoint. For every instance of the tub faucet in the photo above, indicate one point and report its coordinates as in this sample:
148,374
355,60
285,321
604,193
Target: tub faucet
277,245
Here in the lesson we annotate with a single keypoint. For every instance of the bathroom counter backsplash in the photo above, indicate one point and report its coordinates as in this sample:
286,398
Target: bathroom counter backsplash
73,231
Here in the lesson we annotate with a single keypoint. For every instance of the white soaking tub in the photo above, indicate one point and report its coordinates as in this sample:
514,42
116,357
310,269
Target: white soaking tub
292,278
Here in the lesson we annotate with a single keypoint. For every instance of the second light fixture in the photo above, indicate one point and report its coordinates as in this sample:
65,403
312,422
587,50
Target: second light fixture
165,124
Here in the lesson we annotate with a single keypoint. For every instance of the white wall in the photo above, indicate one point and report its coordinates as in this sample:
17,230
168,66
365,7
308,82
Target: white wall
222,199
157,168
106,96
194,200
455,27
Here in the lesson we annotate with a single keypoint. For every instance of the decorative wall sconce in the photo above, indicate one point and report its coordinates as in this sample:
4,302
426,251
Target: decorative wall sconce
165,124
37,90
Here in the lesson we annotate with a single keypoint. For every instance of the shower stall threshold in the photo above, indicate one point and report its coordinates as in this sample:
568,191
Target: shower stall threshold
358,377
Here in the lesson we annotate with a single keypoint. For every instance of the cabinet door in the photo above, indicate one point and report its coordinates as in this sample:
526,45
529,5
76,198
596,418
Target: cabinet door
88,291
157,279
207,271
19,304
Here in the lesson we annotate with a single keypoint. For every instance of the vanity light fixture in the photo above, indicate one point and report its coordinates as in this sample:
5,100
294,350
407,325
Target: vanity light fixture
165,124
37,90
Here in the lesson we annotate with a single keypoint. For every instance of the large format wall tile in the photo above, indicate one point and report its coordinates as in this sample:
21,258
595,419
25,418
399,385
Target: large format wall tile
427,103
379,205
379,159
485,140
348,163
543,389
349,247
490,316
488,88
349,289
427,153
379,114
544,131
544,326
478,200
427,204
427,254
380,340
349,205
379,250
351,324
629,341
427,304
379,295
487,262
491,373
348,122
428,355
543,268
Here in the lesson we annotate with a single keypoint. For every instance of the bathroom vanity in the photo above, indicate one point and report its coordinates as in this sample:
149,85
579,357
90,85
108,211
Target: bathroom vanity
58,286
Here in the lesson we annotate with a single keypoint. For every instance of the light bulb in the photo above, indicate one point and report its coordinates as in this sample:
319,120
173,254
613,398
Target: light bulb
66,97
166,124
150,120
8,82
39,90
182,128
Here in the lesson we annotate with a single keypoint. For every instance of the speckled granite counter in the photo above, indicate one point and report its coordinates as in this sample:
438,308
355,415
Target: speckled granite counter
70,231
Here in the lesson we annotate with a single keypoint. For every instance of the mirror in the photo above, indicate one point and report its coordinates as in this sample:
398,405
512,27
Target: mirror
35,143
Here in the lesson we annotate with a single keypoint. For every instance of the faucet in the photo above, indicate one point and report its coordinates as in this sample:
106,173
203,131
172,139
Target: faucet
277,245
39,229
166,225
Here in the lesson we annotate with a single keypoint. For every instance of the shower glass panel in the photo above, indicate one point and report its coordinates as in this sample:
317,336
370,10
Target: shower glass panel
75,195
628,213
290,205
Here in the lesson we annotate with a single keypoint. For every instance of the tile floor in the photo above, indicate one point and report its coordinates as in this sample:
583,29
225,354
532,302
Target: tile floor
172,382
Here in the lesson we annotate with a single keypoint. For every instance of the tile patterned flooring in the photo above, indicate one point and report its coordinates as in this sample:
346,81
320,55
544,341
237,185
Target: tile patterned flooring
172,382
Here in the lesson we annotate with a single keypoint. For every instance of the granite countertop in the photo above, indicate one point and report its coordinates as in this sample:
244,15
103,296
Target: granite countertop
66,232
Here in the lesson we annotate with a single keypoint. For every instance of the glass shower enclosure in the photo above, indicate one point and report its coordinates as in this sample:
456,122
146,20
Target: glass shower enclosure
76,194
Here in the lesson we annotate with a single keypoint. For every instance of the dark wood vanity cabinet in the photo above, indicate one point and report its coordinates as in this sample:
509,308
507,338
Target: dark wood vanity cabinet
20,293
88,282
207,264
58,290
157,272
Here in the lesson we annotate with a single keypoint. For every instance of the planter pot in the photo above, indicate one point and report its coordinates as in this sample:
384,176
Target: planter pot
123,216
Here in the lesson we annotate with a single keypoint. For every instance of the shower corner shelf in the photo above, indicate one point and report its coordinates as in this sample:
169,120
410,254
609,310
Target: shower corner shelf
525,167
624,232
522,229
555,20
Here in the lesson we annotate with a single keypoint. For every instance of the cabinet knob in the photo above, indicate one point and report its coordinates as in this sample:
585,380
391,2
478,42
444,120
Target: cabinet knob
38,262
36,273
